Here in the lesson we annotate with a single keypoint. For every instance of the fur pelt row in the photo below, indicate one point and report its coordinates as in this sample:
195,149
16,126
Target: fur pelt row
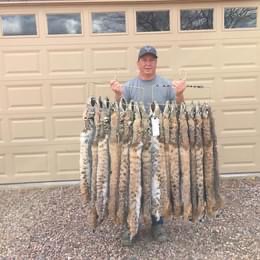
137,162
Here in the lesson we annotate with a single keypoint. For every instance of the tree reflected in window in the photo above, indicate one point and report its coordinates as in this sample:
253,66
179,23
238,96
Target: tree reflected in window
64,23
240,17
108,22
18,25
152,21
197,19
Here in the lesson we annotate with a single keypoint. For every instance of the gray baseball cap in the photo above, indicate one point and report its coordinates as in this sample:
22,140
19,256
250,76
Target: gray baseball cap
147,50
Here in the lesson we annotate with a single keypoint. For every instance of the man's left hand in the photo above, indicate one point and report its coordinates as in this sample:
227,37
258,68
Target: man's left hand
179,86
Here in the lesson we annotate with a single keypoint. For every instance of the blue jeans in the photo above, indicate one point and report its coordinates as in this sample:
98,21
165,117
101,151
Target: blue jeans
156,222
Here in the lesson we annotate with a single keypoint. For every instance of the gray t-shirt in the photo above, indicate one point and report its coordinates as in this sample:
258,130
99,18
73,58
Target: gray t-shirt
147,91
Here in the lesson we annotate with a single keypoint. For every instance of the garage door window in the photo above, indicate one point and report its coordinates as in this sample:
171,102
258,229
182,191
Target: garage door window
15,25
64,23
196,19
152,21
240,17
108,22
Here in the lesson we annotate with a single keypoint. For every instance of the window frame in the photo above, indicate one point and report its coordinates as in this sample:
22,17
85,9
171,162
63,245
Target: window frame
96,34
171,29
54,12
198,8
239,29
36,15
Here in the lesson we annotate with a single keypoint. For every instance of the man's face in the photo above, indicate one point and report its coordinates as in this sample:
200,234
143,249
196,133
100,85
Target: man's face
147,65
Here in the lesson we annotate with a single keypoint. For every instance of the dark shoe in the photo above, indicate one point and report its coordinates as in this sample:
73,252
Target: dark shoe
159,233
125,239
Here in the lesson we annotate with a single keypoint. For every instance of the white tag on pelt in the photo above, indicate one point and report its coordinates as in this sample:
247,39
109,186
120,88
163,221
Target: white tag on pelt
155,126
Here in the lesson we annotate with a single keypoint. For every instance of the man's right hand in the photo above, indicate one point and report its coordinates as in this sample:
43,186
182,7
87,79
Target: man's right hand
117,89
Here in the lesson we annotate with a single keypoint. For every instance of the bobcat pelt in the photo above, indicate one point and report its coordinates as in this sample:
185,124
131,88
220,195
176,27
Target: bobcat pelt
164,170
191,125
103,166
218,197
156,178
115,154
126,120
199,163
208,162
185,164
174,165
146,168
135,188
86,139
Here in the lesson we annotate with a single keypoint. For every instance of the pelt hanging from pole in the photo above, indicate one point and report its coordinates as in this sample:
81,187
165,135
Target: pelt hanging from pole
114,148
136,163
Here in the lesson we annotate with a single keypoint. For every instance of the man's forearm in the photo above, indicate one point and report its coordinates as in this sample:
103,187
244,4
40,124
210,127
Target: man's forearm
179,98
117,97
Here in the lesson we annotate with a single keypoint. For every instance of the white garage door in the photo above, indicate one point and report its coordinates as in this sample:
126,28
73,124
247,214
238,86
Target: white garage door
52,57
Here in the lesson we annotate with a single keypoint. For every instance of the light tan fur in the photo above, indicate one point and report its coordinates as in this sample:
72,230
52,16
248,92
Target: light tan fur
174,163
146,169
199,163
92,216
166,138
115,155
208,162
185,164
84,187
156,179
126,134
102,179
123,185
86,139
135,189
218,197
103,166
165,199
194,200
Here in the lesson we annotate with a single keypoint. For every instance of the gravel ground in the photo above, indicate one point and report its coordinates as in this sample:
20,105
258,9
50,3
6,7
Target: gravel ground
49,223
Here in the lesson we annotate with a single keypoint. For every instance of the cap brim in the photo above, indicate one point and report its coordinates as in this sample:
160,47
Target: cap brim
147,53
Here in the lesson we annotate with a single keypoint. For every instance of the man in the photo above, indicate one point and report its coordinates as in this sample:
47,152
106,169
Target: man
148,87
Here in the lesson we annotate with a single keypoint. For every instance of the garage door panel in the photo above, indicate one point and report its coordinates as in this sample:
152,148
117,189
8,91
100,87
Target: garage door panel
39,163
1,66
66,61
110,60
25,96
239,55
31,163
197,56
68,95
240,122
2,165
239,155
2,99
22,63
67,127
166,60
102,89
1,131
240,89
28,129
205,94
67,162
